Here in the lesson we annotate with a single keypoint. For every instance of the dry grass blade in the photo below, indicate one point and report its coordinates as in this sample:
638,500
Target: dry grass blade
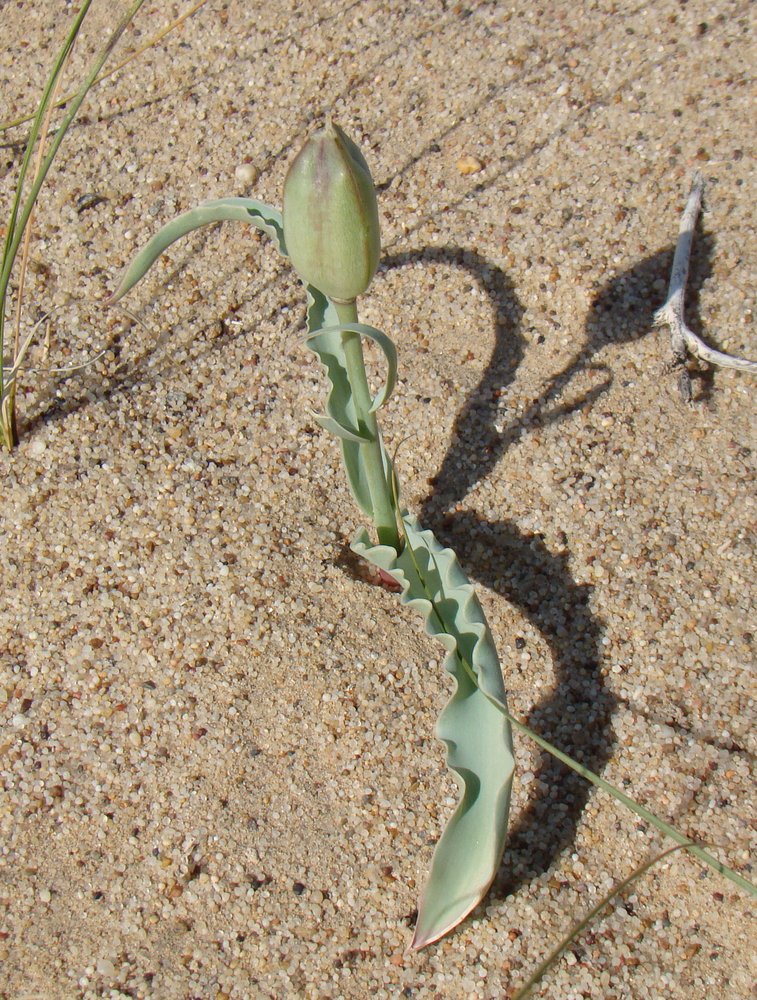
20,216
573,933
156,38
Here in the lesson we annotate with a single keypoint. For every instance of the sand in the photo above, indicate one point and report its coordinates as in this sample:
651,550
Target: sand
219,773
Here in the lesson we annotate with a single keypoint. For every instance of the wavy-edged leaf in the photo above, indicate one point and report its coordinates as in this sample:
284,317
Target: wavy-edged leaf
256,213
321,310
341,416
477,735
328,344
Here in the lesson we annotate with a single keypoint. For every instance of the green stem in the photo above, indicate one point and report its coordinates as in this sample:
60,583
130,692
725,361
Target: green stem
372,452
18,229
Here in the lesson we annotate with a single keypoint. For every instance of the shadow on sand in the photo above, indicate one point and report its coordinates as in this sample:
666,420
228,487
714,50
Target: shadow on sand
576,713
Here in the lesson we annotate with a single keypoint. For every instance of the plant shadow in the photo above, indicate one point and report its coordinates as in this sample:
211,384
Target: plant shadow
519,566
576,713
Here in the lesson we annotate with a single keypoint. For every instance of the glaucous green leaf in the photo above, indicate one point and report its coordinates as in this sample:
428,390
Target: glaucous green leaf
477,735
340,417
256,213
321,310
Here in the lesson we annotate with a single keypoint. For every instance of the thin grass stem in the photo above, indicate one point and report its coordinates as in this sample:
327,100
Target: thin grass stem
28,230
546,965
57,140
158,37
661,825
38,118
8,424
20,216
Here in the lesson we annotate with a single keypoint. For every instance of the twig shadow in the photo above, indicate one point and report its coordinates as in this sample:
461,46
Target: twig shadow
623,310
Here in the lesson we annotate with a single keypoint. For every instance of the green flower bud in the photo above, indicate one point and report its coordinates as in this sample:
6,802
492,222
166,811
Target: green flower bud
331,224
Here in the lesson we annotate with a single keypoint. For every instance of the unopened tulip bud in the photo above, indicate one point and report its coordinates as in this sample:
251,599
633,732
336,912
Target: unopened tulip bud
331,224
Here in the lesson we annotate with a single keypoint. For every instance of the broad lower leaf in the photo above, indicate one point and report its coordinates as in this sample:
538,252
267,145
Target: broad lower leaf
477,735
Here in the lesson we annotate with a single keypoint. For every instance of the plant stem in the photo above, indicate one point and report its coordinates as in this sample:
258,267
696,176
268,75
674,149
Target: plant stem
372,452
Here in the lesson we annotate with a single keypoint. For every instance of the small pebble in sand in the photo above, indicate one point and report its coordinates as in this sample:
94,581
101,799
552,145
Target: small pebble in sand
106,968
246,173
37,448
469,165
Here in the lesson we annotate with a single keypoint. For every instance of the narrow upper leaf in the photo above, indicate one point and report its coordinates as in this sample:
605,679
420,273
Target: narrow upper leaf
256,213
341,416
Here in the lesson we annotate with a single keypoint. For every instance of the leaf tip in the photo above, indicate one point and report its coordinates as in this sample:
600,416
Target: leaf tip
430,928
419,942
120,290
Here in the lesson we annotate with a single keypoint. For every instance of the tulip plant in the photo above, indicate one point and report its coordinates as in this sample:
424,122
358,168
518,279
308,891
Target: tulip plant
329,230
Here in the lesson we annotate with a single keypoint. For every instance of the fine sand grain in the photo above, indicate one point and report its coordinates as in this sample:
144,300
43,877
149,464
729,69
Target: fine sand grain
219,774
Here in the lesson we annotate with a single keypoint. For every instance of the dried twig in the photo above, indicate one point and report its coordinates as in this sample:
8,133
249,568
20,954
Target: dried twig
682,339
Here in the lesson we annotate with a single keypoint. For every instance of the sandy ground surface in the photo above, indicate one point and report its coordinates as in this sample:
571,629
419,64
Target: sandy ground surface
219,775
